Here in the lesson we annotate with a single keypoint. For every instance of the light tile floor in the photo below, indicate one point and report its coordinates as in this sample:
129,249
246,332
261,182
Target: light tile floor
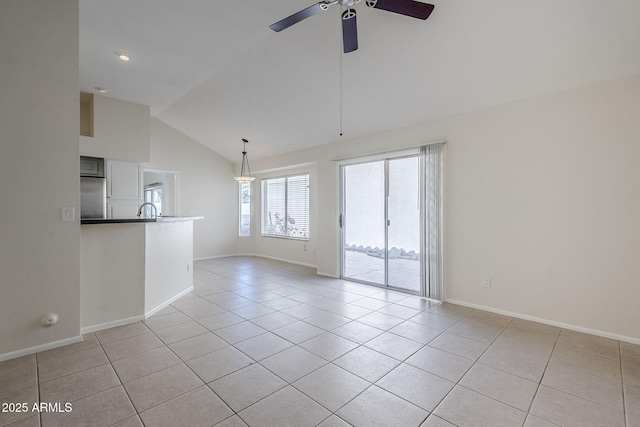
265,343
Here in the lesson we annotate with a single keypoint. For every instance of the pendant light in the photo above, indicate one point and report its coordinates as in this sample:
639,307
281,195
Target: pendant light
243,179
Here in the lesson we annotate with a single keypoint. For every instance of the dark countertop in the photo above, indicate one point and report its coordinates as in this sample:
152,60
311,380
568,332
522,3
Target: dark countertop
138,220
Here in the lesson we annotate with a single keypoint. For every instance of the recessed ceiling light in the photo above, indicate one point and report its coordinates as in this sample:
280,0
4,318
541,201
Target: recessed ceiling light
123,56
100,89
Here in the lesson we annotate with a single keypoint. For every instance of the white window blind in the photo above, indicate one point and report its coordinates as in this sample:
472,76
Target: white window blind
285,207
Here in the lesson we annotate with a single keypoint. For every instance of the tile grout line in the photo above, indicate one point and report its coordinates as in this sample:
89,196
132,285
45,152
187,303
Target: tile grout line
457,383
137,413
535,395
119,380
595,376
205,384
78,372
39,391
624,394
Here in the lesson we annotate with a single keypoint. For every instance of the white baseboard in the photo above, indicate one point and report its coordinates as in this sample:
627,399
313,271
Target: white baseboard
212,257
245,254
322,273
304,264
133,319
167,302
259,256
112,324
39,348
334,276
548,322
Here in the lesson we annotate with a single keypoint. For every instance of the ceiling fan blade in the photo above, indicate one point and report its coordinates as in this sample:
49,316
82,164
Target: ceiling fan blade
298,16
349,31
411,8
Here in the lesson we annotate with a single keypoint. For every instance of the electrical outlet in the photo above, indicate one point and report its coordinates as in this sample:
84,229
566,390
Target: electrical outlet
486,282
188,267
68,214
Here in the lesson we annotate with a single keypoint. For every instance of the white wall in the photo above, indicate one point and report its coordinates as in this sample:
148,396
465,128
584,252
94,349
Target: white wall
130,270
39,169
207,188
121,131
541,195
112,274
169,250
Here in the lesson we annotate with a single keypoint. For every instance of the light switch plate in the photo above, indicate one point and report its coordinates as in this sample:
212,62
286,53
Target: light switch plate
68,214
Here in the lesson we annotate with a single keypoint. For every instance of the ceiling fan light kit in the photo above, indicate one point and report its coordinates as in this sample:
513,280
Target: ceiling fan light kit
411,8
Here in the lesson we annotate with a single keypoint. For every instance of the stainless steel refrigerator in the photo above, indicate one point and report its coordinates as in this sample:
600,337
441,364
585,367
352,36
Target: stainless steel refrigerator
93,197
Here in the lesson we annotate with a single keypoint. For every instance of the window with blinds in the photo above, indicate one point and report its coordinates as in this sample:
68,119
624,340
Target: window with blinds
285,207
245,209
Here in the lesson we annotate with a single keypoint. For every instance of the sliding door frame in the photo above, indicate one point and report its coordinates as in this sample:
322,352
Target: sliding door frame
432,211
342,224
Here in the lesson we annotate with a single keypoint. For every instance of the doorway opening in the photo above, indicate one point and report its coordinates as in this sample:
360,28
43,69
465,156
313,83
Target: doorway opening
162,188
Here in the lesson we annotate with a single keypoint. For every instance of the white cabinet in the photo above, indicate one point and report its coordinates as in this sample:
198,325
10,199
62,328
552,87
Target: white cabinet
119,209
124,180
124,189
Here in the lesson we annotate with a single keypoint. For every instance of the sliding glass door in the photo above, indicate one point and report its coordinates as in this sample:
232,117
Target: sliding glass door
403,223
381,223
391,221
363,223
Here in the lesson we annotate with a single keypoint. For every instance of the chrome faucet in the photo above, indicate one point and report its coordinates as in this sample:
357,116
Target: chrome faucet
155,210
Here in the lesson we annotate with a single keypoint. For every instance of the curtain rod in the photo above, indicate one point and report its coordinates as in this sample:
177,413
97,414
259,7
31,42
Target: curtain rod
395,150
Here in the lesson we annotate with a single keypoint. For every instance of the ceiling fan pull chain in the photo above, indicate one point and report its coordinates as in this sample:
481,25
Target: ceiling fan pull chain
412,8
341,54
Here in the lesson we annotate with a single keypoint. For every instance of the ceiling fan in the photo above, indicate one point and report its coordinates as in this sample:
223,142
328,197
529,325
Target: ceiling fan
410,8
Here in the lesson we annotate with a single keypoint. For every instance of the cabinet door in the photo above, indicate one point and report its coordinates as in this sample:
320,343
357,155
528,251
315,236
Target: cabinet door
124,180
120,209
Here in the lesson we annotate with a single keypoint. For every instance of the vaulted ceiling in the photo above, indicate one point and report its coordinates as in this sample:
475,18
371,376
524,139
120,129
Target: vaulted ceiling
214,70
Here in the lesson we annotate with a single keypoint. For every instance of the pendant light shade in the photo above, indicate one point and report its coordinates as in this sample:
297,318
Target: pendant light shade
245,171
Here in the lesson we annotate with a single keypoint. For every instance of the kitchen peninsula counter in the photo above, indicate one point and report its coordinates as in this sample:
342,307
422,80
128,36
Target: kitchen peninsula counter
133,268
85,221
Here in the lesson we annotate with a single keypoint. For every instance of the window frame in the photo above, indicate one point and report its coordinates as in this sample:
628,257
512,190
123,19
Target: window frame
263,208
240,203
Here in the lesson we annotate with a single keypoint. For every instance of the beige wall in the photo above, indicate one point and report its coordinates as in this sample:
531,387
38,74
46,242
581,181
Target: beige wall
541,195
206,188
39,169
